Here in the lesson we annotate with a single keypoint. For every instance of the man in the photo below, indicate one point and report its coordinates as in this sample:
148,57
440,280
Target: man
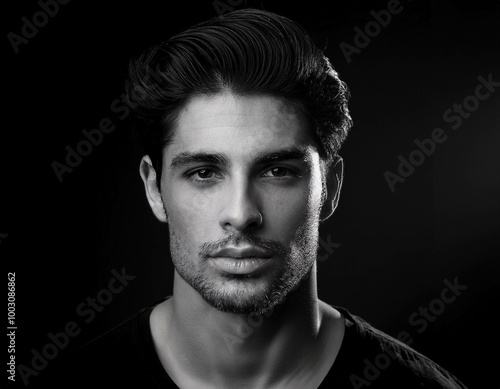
242,118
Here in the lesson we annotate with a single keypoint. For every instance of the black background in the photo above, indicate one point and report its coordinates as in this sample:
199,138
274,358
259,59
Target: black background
396,248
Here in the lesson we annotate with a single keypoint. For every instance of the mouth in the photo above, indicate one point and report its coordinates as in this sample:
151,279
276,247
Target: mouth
241,260
240,265
242,252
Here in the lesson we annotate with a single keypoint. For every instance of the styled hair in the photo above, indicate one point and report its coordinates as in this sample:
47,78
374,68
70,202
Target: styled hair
245,52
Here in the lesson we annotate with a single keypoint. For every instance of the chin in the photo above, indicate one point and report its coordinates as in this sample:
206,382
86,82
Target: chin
249,306
242,295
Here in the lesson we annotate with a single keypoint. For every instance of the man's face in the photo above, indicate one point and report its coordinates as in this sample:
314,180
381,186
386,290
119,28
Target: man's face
242,189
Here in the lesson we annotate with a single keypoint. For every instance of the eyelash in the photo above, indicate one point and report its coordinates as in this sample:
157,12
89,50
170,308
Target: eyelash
191,174
290,172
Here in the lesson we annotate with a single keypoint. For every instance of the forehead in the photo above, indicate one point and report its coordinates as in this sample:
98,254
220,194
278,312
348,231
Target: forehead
239,125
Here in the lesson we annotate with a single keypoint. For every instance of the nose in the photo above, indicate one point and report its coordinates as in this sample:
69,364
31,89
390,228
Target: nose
240,212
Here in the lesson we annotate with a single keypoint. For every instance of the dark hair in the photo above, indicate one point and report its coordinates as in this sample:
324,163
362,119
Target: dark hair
247,51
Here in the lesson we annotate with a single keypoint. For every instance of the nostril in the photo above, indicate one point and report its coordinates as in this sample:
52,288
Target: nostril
242,222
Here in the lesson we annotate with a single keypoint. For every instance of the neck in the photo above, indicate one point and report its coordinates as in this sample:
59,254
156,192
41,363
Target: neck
214,343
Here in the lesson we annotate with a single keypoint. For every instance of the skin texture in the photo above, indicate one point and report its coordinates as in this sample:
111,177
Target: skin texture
243,171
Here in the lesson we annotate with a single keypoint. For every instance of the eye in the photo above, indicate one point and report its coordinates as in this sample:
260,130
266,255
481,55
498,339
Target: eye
279,172
203,173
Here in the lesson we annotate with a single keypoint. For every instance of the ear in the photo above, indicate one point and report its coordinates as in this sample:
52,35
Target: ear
148,175
333,177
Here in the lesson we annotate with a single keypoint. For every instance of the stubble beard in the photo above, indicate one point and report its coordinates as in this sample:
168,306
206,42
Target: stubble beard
295,267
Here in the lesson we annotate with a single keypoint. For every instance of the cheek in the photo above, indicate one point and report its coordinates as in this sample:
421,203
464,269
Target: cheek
288,210
189,215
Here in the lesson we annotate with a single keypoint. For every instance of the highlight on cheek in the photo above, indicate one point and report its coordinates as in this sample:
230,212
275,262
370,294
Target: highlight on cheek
317,181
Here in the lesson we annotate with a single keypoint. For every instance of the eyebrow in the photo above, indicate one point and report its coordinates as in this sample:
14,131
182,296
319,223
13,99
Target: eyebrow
297,153
187,158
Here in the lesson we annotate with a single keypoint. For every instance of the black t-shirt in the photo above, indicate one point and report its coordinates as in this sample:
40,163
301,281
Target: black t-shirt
125,357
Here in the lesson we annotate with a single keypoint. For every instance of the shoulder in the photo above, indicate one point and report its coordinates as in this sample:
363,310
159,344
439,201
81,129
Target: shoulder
376,359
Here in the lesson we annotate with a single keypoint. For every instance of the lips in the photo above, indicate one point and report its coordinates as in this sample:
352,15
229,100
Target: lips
240,260
242,252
